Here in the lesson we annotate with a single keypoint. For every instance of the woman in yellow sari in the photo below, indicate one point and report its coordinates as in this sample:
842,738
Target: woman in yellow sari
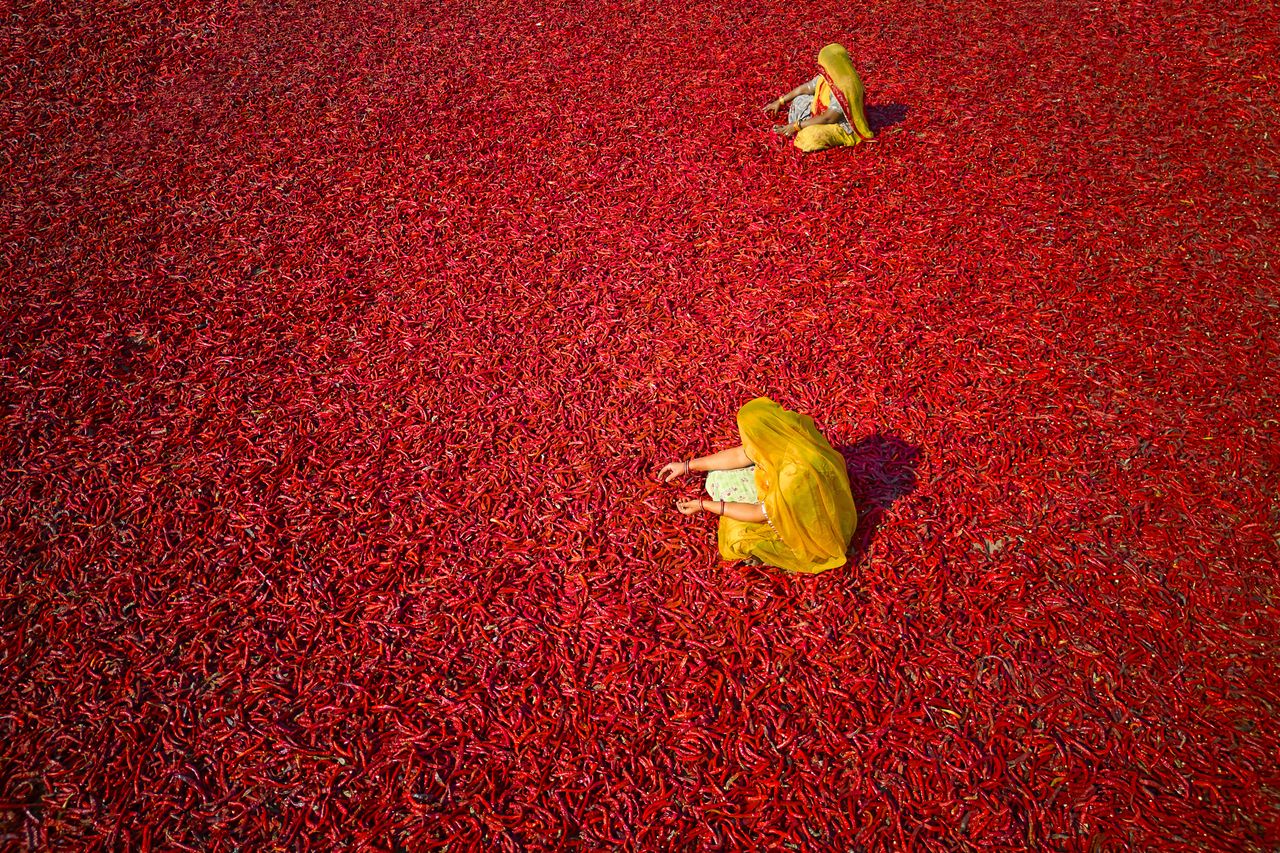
828,111
782,495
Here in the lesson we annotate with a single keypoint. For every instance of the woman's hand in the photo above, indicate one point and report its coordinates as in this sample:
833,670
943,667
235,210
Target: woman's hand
773,106
690,507
787,130
672,470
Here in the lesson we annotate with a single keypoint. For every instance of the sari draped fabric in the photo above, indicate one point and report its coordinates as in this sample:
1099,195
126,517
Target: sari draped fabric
822,97
845,86
805,489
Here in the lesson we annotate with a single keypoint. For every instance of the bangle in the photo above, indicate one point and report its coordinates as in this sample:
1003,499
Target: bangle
686,464
722,507
700,506
798,127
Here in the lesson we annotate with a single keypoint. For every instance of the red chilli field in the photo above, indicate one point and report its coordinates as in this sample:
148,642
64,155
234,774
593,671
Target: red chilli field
341,343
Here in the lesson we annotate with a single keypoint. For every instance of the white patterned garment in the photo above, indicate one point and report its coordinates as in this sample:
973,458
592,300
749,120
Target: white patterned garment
735,486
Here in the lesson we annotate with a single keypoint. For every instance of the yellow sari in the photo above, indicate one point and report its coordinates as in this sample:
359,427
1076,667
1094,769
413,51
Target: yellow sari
804,487
841,82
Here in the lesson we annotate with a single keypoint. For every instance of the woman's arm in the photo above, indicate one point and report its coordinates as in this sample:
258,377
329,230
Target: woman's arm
805,89
753,513
725,460
831,116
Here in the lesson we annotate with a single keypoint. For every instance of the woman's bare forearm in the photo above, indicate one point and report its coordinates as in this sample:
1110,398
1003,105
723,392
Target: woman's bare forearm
725,460
830,116
806,89
752,513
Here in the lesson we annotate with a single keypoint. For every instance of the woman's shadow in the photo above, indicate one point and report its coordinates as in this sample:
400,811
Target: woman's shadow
881,116
882,468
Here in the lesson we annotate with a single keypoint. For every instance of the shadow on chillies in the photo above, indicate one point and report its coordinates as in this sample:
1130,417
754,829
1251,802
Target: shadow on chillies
882,468
881,116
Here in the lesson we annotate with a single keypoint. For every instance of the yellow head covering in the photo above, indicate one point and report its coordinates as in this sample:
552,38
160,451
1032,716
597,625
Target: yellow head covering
805,489
837,67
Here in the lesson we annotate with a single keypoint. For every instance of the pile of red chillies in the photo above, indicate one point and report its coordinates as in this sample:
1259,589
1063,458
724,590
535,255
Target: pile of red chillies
340,345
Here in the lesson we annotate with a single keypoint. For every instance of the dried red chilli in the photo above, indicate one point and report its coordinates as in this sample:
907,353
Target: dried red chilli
339,343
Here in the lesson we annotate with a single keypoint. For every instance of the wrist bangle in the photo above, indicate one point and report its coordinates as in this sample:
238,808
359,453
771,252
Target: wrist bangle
722,507
700,506
798,127
686,464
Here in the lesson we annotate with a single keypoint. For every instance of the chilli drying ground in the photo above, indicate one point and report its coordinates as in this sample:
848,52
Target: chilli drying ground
341,341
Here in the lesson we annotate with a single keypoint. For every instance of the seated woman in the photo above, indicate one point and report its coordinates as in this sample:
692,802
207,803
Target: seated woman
828,111
782,496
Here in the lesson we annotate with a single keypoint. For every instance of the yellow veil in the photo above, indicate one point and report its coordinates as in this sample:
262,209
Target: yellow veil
805,489
838,68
